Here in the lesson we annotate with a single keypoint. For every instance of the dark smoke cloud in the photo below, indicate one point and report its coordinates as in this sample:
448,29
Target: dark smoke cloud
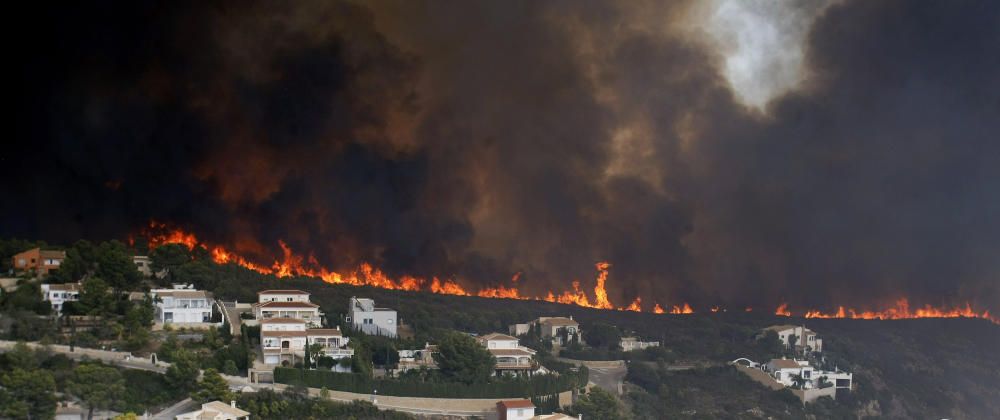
480,139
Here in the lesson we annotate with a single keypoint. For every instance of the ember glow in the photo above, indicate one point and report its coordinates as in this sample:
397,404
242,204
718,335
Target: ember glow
292,264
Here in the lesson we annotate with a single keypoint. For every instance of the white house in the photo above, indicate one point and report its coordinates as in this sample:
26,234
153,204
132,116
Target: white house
287,304
551,327
182,305
633,343
805,339
216,410
365,317
284,340
57,294
515,410
512,358
286,295
787,371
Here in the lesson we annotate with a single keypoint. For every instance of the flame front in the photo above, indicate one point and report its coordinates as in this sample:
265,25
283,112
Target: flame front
292,264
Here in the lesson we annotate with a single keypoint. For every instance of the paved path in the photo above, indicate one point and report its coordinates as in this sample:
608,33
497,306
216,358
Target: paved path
170,413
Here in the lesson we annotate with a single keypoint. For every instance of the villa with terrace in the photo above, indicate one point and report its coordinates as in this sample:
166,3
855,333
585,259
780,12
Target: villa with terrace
512,358
283,341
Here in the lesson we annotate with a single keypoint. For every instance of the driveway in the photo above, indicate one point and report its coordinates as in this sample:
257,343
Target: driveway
609,379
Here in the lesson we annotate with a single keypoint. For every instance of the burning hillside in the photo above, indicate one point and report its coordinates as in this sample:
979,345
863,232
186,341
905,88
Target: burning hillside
294,264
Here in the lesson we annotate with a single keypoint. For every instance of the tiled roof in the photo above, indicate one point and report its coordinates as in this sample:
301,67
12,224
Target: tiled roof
784,364
497,336
65,287
323,331
283,333
506,405
560,322
224,408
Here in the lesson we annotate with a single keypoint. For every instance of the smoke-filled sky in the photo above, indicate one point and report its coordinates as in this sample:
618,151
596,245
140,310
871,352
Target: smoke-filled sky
742,152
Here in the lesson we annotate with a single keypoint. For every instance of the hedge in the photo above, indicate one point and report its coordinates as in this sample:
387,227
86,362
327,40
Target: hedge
501,388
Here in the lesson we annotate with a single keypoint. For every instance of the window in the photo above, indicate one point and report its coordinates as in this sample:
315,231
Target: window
289,299
520,412
389,321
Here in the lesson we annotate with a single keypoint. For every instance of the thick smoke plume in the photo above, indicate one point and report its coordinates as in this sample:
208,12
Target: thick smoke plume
475,140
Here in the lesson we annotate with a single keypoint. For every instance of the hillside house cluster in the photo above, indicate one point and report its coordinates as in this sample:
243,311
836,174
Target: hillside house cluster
364,316
559,329
807,382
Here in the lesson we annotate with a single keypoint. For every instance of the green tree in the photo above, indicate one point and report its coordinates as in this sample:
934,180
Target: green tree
229,368
22,356
602,335
96,298
598,404
78,263
183,371
168,257
115,266
27,394
98,386
462,359
384,353
169,347
27,297
137,323
212,387
198,272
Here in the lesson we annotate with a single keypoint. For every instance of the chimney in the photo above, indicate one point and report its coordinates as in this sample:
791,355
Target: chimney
571,317
232,403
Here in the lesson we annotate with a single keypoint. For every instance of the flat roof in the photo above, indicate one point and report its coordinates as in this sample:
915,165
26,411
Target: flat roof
282,321
283,292
287,305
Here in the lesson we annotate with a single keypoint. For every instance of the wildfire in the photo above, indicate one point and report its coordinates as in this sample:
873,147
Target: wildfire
292,264
902,311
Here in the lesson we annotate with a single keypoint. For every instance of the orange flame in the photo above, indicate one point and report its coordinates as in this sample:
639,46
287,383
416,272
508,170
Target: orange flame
292,264
782,310
635,306
686,309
